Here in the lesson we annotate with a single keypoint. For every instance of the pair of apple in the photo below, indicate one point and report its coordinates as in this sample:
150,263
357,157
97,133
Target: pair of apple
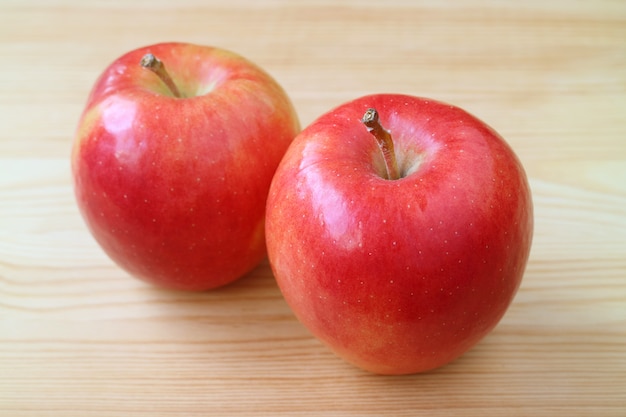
398,228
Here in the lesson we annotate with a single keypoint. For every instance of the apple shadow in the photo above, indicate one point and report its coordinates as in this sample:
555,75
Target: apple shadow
254,294
249,313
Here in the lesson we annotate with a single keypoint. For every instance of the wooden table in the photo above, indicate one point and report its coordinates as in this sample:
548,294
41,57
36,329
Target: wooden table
78,337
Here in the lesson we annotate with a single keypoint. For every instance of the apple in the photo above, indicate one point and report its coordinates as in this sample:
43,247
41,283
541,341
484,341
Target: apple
398,229
173,159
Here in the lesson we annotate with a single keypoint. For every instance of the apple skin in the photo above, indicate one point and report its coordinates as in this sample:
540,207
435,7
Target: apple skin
174,189
399,276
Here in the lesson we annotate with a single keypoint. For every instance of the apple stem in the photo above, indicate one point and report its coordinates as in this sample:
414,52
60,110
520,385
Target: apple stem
385,142
155,65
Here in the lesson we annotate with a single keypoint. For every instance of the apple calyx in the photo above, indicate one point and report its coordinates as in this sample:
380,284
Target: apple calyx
155,65
385,142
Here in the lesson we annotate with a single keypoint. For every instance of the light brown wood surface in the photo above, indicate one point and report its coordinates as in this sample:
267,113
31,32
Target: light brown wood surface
78,337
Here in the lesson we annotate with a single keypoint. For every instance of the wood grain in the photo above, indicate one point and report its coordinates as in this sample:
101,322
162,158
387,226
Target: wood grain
78,337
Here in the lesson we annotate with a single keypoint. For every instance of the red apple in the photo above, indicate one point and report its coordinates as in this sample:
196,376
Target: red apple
173,160
399,272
